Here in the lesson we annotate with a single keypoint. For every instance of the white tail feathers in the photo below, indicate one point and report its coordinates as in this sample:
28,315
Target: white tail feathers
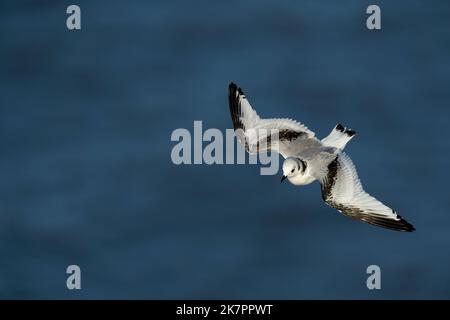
338,137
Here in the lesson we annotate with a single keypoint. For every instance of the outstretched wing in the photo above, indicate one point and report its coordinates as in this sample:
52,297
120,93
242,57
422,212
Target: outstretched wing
342,190
257,135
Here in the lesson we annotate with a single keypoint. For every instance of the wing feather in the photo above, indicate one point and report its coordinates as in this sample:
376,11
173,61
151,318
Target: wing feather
342,190
257,135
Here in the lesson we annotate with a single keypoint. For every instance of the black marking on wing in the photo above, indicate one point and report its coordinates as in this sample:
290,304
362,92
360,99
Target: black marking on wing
357,213
373,218
235,94
330,179
235,105
290,135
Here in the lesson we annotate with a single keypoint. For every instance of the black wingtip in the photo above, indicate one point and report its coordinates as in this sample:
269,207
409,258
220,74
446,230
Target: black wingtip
396,225
232,87
350,132
235,107
405,225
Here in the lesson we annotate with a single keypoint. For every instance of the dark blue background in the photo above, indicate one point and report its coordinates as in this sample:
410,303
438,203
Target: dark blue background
86,174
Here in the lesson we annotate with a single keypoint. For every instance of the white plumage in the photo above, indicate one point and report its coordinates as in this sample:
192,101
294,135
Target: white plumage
309,159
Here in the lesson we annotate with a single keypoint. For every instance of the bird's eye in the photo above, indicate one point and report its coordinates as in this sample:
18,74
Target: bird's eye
292,170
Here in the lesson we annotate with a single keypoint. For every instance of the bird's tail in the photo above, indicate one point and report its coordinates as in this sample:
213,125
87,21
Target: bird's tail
338,137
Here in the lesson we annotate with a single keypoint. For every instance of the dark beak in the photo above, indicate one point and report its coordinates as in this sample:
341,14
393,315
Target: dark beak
283,178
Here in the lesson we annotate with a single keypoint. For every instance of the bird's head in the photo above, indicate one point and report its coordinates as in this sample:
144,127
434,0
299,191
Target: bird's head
292,166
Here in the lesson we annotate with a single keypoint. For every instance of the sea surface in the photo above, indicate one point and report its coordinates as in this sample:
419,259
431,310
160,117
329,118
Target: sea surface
86,176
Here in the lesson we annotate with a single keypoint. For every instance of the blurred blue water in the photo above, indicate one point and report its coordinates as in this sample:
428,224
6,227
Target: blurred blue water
86,176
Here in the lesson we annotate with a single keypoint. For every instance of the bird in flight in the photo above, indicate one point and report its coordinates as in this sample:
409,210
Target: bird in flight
308,159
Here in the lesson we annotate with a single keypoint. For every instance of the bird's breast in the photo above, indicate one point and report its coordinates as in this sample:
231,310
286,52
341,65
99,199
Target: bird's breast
300,180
